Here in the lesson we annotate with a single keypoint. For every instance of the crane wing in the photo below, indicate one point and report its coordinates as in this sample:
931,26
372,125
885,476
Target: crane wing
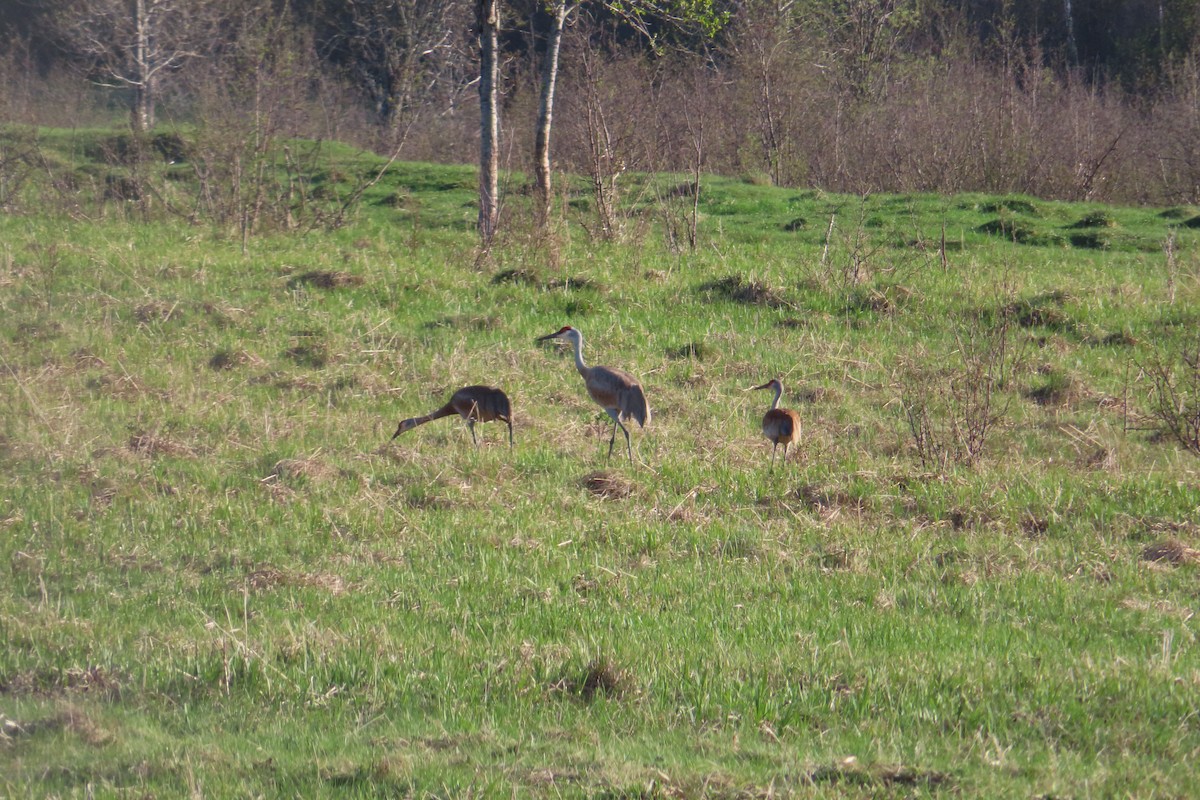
633,404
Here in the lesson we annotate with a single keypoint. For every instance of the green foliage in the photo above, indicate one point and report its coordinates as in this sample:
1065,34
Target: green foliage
224,579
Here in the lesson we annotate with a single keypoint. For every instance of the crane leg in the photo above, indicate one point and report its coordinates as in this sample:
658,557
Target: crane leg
613,439
773,449
471,428
509,421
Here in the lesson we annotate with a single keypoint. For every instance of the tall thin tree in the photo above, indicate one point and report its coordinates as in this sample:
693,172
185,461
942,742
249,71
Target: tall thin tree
488,15
133,44
558,11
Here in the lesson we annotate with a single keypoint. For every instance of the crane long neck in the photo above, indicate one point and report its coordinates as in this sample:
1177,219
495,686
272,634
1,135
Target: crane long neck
579,365
778,387
444,411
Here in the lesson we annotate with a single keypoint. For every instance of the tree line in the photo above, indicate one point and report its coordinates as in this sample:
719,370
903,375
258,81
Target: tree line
1058,98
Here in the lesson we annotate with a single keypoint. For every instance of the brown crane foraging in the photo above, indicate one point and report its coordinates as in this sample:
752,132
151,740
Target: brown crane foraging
473,404
614,390
780,425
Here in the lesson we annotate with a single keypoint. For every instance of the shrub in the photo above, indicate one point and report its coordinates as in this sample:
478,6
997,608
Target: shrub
952,410
1175,401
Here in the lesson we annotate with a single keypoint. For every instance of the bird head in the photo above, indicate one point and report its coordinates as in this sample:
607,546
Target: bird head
565,332
405,425
771,384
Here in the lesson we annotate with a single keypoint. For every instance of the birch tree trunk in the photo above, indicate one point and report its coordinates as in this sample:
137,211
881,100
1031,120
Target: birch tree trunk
541,145
143,97
489,119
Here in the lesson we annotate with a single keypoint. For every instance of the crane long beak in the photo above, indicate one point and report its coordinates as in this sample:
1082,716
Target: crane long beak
547,336
764,386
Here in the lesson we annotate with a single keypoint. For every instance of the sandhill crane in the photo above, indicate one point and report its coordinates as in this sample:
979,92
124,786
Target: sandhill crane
473,404
614,390
780,425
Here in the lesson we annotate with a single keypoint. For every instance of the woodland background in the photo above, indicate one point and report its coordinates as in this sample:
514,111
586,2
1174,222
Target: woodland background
1076,101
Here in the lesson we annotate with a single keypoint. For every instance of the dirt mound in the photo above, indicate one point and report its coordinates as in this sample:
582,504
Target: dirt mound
152,444
608,485
737,289
322,279
1171,551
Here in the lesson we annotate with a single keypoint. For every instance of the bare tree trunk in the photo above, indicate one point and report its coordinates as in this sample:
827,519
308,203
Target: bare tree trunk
541,147
695,123
694,219
768,122
143,99
604,166
489,119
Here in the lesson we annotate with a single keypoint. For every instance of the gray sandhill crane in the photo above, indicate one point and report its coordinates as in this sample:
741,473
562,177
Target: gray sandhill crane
780,425
473,404
614,390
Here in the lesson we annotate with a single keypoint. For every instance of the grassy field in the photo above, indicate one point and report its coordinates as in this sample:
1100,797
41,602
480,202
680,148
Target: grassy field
224,580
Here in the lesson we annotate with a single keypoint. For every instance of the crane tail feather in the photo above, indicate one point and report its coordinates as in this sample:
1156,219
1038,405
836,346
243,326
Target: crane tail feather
634,405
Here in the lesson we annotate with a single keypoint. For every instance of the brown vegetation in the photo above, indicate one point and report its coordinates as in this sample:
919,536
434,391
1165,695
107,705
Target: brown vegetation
608,485
790,97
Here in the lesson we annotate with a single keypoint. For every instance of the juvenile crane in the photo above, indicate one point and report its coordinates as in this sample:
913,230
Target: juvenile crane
780,425
473,404
614,390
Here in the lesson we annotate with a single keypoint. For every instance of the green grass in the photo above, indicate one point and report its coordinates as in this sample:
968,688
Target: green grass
223,579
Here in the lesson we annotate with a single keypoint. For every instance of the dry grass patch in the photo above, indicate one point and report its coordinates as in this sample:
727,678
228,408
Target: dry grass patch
696,351
155,311
289,383
86,359
571,283
886,300
529,277
314,355
153,445
827,502
968,518
228,359
34,331
1180,611
322,279
1034,526
311,468
601,676
1171,551
265,578
123,387
685,512
887,777
838,558
1102,459
816,394
608,485
1056,389
70,720
737,289
221,314
521,276
423,496
73,680
802,323
1041,311
548,778
472,322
